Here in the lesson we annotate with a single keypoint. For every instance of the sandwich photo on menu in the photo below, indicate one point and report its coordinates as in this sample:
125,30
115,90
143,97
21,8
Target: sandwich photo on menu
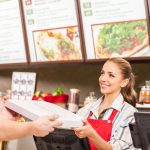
124,39
58,44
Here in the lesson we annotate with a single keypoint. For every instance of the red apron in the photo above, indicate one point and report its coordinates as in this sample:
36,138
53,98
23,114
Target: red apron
102,127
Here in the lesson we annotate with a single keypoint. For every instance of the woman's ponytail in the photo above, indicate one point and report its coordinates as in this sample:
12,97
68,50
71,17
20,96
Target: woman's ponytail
128,91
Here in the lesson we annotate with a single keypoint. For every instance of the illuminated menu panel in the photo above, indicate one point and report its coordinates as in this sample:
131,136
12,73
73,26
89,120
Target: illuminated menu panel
12,48
115,28
52,30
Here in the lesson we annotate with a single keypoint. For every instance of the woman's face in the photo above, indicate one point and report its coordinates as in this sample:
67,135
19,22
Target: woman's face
111,79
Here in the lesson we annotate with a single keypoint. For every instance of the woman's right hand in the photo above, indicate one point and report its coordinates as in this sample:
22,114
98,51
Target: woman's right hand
85,131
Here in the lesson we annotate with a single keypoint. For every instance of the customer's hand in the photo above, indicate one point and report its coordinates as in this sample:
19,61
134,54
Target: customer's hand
6,113
45,125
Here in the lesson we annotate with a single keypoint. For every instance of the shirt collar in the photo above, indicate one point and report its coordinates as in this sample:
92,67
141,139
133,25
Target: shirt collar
95,106
117,104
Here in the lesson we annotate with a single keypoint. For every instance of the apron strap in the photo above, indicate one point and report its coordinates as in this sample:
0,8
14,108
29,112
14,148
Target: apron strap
90,114
113,114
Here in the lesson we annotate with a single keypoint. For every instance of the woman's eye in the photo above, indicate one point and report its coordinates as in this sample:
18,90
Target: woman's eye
111,75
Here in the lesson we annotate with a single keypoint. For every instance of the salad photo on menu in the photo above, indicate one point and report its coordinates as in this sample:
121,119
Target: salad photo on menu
124,39
57,44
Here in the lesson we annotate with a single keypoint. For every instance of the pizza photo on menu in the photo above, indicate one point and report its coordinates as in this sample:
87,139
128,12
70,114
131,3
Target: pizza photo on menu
123,39
57,44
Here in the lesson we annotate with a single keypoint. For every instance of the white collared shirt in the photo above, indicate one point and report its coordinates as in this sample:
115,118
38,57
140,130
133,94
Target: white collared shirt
121,136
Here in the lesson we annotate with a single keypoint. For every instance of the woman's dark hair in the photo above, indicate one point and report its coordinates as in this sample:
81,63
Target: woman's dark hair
128,91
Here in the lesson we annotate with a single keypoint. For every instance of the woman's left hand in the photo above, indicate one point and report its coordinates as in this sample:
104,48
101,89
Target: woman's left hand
85,131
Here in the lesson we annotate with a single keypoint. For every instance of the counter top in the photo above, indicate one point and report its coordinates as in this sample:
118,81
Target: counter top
143,106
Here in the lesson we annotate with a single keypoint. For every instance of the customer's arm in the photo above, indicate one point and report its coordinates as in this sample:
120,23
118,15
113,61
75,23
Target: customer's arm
41,127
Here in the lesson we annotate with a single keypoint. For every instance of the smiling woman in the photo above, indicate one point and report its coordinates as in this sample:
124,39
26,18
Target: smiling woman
118,78
106,120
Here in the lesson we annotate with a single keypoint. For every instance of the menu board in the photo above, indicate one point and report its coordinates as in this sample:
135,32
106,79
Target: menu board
115,28
38,31
12,47
52,30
